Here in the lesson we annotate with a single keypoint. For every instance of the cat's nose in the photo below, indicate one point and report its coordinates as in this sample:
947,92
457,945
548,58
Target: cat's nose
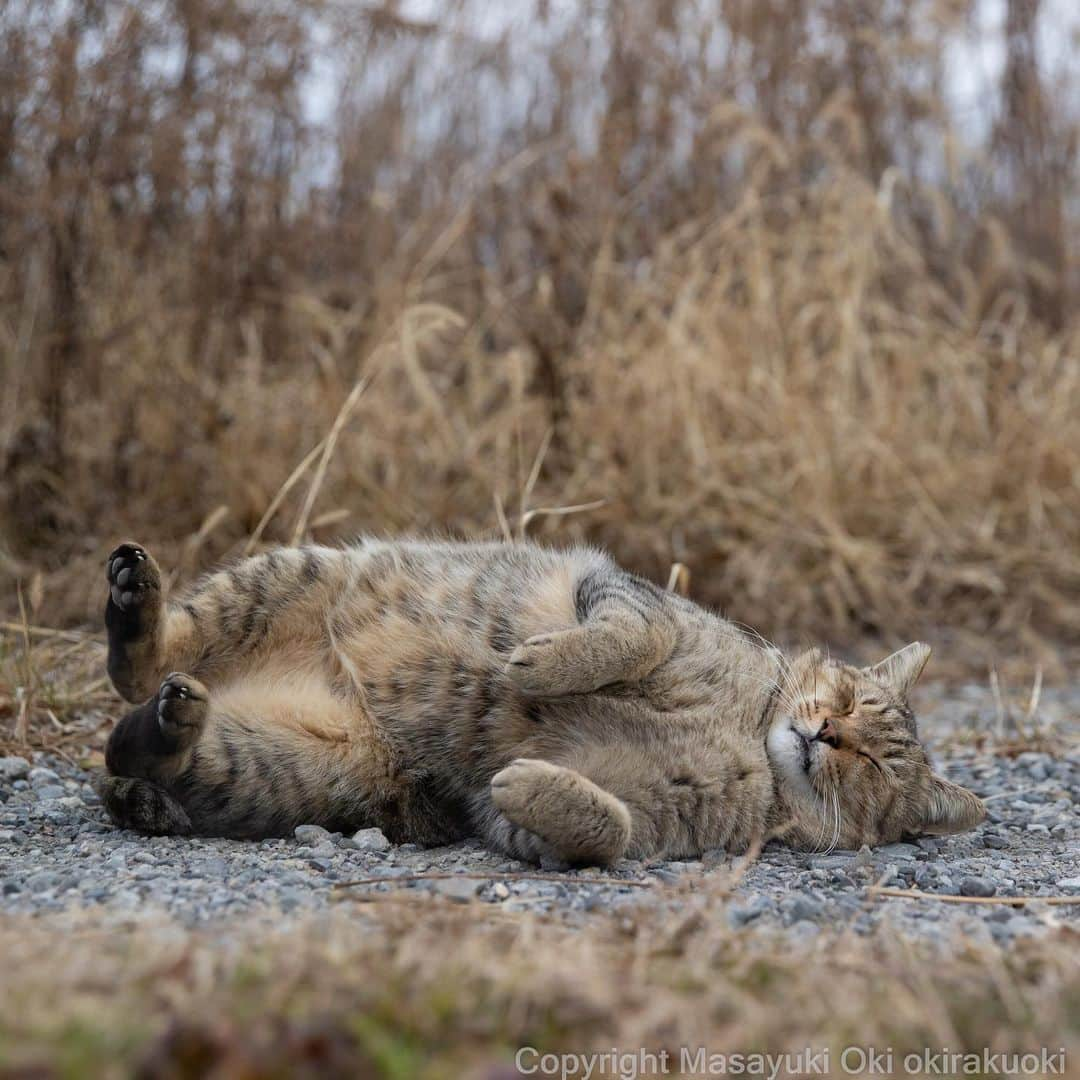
828,733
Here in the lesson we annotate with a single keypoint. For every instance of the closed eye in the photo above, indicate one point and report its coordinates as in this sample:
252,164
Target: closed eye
870,702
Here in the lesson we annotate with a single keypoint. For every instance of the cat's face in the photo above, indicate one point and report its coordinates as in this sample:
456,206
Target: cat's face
844,746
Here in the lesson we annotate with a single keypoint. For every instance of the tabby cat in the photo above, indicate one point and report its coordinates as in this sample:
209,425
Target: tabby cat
548,701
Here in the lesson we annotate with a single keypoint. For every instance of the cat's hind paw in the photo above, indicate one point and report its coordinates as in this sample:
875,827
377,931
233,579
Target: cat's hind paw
133,576
182,704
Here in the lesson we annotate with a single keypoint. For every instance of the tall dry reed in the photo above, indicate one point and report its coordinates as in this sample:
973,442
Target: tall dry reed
739,272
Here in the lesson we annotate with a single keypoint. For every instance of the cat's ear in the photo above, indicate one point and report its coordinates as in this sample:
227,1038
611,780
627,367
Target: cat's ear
950,808
901,671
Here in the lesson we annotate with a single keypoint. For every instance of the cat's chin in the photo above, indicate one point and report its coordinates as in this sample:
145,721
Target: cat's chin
787,753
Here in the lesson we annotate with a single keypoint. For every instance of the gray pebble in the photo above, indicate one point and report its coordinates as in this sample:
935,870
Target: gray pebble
832,862
311,834
801,907
367,840
741,914
977,886
460,890
40,776
898,852
924,875
14,768
865,856
890,875
43,881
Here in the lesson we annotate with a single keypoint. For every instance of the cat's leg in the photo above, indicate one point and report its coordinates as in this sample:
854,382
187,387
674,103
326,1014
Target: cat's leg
149,636
136,621
551,809
602,802
146,749
627,629
154,740
255,757
220,621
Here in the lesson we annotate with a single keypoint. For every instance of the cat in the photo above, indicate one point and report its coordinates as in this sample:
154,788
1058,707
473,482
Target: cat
557,706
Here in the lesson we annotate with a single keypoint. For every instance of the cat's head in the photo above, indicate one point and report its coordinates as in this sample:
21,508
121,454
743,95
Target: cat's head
845,750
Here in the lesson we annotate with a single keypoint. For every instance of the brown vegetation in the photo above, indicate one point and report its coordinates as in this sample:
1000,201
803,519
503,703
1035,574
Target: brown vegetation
377,993
736,269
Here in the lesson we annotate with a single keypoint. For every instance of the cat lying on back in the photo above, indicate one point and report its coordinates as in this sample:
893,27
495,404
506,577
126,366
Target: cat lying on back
546,700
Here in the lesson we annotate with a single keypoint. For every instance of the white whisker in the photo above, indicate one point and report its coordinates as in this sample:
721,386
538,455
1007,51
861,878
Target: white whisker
836,821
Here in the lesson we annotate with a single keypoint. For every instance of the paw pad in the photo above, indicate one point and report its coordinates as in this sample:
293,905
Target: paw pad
131,573
180,701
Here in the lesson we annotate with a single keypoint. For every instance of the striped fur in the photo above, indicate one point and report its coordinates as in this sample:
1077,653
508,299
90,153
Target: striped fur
547,700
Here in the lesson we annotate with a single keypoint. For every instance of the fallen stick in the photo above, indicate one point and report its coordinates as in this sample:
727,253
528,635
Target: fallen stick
493,876
952,898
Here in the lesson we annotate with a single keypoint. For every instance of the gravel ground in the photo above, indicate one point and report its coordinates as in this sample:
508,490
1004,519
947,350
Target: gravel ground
59,852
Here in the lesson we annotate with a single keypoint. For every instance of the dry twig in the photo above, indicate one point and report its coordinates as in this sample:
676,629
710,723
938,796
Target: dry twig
950,898
493,876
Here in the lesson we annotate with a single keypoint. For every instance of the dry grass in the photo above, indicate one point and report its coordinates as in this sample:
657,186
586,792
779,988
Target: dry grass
763,308
54,694
375,992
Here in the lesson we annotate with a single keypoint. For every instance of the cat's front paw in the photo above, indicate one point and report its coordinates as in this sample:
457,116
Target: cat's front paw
549,665
579,821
